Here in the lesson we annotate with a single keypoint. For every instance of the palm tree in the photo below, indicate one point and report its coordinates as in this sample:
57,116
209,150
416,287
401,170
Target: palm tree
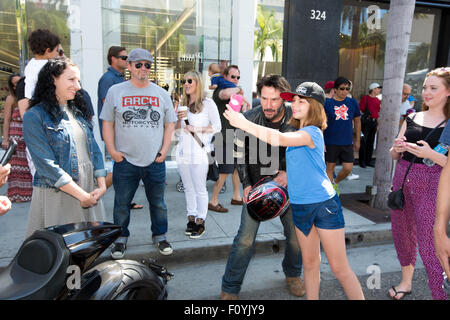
398,34
268,34
52,19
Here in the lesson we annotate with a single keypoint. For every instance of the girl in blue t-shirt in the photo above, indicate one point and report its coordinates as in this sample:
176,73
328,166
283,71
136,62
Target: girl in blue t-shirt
316,208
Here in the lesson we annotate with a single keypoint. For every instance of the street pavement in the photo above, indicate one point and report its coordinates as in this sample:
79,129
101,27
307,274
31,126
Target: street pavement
376,267
220,227
207,256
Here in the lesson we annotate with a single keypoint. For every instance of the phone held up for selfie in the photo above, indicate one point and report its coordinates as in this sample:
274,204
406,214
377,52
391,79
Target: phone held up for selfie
9,153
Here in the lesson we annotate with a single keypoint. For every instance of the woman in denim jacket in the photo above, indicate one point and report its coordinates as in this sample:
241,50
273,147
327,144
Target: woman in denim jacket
64,151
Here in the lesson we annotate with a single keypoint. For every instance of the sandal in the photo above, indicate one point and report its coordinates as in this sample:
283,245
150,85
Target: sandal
217,208
135,206
237,202
405,293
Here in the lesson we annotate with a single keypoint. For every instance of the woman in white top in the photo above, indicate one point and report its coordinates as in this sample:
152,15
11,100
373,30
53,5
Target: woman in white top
192,160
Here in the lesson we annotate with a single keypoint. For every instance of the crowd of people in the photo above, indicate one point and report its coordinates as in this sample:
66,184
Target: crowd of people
304,132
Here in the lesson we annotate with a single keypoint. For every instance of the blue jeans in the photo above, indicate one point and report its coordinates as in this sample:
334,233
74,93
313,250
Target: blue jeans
126,177
243,247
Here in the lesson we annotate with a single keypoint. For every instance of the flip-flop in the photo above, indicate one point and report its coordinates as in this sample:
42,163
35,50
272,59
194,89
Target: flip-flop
405,293
135,206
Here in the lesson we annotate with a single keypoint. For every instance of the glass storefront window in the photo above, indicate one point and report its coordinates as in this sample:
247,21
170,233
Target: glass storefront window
182,35
50,15
268,37
9,50
363,42
18,18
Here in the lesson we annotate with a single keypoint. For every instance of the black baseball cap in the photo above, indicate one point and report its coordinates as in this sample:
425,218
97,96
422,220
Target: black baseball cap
306,89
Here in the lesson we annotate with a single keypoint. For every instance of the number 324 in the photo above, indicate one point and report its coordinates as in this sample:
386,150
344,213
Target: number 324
318,15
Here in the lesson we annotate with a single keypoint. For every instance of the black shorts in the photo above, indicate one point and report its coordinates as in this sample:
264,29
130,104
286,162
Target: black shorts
335,153
225,160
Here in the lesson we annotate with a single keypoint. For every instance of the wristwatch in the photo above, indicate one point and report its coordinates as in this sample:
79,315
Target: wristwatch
158,154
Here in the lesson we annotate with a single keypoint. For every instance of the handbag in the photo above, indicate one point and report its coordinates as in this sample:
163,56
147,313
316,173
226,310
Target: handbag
213,169
396,199
367,122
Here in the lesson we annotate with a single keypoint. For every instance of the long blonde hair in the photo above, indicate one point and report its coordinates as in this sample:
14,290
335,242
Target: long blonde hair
197,107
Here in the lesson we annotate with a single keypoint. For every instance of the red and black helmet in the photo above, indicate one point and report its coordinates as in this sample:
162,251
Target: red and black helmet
267,200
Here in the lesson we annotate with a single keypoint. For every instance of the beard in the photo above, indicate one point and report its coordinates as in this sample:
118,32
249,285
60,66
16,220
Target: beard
275,114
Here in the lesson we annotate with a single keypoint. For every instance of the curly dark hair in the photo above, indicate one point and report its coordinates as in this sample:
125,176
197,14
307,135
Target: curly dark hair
40,40
45,89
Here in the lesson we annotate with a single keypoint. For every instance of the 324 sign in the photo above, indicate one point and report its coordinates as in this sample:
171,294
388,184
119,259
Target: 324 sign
318,15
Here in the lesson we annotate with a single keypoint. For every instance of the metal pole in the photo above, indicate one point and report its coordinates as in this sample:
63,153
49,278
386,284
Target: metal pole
21,22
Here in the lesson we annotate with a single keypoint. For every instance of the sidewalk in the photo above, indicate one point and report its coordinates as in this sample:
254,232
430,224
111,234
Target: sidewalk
220,227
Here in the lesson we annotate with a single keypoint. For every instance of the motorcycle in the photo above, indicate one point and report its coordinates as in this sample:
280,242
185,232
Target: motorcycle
141,114
53,264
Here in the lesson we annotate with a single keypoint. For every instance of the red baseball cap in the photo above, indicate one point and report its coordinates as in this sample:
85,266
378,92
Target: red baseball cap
306,89
329,85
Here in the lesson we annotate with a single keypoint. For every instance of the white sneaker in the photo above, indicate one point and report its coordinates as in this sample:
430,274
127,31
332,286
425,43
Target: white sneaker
164,248
353,176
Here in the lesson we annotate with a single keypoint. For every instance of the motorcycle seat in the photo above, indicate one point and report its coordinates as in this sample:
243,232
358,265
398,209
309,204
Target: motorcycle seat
38,270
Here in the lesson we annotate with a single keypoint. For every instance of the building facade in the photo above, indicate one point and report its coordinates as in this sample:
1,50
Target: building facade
329,38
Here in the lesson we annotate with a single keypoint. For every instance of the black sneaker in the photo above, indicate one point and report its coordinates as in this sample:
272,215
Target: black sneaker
199,231
190,228
164,248
118,251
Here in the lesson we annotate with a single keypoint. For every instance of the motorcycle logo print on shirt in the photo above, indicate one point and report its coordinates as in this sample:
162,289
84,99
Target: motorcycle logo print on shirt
138,108
341,112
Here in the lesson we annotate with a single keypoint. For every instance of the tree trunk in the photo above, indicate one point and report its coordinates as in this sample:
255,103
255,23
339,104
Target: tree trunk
263,72
398,34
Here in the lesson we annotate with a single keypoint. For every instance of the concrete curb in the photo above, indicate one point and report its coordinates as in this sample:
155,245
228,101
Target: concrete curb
219,248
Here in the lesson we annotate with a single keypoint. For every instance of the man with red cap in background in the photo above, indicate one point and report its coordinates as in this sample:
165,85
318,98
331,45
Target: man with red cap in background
329,89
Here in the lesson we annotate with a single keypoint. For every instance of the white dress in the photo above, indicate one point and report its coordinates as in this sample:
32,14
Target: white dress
51,207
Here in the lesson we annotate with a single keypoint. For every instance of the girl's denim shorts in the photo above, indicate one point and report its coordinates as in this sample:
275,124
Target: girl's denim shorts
324,215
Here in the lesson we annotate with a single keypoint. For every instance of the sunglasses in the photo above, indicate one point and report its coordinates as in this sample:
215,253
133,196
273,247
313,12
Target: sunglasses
344,88
124,58
61,52
186,80
140,64
235,77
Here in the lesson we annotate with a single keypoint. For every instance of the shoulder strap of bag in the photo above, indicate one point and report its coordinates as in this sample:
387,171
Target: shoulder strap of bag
366,110
195,135
415,157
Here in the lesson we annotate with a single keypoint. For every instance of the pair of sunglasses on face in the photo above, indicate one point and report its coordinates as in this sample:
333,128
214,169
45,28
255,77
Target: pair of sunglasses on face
344,88
187,80
124,58
235,77
140,64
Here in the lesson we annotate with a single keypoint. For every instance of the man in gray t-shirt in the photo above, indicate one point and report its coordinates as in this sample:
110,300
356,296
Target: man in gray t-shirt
139,116
138,123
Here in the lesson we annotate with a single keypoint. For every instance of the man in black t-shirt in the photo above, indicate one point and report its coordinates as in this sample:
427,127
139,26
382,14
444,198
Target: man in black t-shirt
224,143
